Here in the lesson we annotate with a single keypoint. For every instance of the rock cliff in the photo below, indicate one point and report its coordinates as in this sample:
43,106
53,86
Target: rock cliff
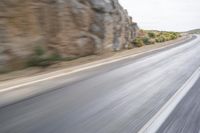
68,28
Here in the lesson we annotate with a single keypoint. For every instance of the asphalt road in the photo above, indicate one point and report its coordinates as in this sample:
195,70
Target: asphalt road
116,98
186,116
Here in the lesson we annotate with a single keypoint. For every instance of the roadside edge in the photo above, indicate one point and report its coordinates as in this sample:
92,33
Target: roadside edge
159,118
9,86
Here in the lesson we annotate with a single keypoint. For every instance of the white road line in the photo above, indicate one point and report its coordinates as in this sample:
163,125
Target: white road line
78,70
154,124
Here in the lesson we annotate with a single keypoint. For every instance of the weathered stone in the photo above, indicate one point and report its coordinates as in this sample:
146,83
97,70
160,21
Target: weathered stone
65,27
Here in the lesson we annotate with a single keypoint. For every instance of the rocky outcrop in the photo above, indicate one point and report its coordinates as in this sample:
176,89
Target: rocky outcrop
68,28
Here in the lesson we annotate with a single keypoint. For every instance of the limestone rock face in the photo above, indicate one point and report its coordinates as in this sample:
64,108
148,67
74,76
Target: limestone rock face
64,27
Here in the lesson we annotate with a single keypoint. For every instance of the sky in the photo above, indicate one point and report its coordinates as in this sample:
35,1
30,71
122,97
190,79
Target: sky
170,15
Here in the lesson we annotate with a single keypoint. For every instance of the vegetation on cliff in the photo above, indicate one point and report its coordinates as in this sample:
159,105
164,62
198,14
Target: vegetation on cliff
41,32
152,37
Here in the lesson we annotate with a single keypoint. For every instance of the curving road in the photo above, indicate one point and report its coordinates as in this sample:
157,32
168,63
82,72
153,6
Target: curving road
115,98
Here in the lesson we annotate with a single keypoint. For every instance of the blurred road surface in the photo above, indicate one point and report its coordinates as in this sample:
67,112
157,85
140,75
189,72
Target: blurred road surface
115,98
186,116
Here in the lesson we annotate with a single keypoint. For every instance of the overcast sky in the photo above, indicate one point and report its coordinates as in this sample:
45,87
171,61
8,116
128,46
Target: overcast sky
175,15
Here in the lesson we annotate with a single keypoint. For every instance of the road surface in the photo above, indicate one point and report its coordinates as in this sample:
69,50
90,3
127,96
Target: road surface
120,97
186,116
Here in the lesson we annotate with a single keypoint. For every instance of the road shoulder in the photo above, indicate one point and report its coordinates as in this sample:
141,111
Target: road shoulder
185,117
26,77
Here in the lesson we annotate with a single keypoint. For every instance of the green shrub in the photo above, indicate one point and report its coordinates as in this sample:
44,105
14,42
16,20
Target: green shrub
152,34
158,40
173,37
151,37
39,58
161,38
38,61
145,40
55,57
138,42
